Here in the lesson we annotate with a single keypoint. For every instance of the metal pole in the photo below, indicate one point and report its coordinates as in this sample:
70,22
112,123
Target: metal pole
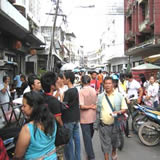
50,62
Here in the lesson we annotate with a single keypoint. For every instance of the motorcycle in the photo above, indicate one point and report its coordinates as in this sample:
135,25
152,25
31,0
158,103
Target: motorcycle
140,116
9,137
149,132
9,133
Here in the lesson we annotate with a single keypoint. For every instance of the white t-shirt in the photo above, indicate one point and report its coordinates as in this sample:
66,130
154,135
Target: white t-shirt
133,88
61,93
28,89
65,88
62,90
152,91
4,97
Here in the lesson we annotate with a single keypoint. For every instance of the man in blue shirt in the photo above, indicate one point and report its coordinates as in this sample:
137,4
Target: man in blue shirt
18,82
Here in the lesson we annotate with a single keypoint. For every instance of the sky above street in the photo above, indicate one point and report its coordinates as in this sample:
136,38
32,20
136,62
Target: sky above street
88,23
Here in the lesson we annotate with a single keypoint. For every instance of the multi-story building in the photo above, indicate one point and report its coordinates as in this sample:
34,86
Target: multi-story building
142,33
112,39
16,38
60,53
94,58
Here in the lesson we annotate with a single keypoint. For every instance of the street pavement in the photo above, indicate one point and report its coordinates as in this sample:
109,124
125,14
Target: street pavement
133,150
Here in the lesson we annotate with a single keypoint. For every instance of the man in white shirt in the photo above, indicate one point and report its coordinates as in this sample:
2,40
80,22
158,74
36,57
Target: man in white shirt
60,88
4,90
4,97
33,84
134,88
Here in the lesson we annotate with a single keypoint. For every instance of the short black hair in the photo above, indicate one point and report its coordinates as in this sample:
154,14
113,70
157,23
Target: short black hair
108,78
129,75
122,75
142,77
5,78
70,75
23,76
48,79
85,79
60,75
31,79
94,72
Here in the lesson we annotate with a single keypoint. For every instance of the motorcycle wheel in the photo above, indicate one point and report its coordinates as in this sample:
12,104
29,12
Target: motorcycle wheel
138,121
121,141
148,134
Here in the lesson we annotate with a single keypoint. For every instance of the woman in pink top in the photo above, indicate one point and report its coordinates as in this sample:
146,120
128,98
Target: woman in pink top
87,100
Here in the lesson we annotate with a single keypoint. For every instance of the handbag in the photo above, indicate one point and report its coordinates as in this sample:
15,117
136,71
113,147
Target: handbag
62,136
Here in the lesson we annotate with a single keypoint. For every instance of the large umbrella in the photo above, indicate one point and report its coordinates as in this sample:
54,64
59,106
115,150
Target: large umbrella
146,66
76,70
68,66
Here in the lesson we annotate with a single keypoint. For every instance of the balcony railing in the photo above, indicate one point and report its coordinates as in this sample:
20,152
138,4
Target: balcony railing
143,25
141,1
129,12
129,36
9,10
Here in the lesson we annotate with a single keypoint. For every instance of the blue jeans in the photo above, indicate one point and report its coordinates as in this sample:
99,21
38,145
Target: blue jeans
88,131
73,151
155,104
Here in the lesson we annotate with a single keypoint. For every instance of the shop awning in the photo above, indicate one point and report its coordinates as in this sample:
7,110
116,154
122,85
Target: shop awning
3,62
153,58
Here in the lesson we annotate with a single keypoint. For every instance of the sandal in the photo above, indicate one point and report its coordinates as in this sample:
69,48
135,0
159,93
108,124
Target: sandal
115,157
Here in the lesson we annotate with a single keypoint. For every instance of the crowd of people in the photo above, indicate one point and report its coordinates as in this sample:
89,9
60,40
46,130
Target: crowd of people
91,107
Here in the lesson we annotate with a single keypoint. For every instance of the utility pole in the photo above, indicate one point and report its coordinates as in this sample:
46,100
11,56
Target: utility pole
50,61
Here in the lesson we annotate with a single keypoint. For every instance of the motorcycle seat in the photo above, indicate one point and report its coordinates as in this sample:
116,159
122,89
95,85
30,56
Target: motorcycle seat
155,112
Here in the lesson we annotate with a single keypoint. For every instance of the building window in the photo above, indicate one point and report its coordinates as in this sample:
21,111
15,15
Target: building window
145,10
120,67
135,64
130,23
114,68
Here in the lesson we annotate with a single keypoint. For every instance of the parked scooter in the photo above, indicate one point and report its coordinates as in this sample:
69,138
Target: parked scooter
149,132
140,116
9,137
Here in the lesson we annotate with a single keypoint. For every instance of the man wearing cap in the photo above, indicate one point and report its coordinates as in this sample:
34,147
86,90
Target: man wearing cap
109,103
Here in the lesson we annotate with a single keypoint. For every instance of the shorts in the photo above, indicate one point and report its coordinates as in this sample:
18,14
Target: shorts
60,152
109,137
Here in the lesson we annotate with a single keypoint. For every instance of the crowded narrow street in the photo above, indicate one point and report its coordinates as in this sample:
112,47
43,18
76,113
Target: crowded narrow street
79,79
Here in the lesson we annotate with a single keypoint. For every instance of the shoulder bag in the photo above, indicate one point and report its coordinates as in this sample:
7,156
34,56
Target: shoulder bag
62,136
120,120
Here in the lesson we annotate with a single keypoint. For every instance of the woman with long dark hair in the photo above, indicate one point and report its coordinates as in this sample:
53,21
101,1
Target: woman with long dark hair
37,137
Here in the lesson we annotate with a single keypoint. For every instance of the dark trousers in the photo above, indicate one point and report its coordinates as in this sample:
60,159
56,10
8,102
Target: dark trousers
88,131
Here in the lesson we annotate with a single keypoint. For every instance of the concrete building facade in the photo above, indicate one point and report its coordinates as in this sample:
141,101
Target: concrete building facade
142,33
112,40
17,39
